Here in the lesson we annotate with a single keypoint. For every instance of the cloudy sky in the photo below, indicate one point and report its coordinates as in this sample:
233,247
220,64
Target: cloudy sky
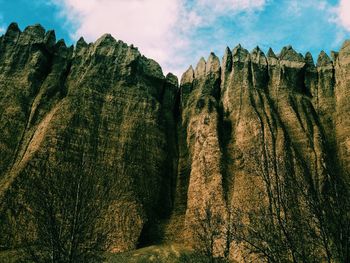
176,33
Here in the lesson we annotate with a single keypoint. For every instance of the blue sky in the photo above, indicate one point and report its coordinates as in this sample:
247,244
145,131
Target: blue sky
177,33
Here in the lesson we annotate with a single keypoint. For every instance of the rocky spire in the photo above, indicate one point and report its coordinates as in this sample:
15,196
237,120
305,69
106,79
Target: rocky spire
188,76
288,53
271,58
323,60
240,54
258,57
35,31
334,56
344,53
213,64
200,68
12,32
227,60
271,54
172,79
309,60
290,58
50,38
81,44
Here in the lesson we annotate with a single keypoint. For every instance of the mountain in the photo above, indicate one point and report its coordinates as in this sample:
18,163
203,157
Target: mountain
255,148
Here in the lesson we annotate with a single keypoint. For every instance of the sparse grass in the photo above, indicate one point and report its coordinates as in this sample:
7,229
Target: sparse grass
170,253
167,253
9,256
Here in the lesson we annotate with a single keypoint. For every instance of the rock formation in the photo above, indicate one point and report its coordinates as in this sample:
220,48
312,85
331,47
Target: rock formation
104,101
230,132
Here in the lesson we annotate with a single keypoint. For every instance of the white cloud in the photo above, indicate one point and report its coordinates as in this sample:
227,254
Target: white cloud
344,14
297,7
294,8
162,29
2,29
224,6
148,24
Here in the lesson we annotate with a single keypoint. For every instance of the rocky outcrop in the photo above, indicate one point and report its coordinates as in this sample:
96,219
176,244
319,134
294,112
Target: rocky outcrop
257,122
232,135
341,90
104,101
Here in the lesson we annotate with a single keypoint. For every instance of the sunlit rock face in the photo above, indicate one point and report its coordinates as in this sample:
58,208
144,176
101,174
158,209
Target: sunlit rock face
258,120
170,149
104,102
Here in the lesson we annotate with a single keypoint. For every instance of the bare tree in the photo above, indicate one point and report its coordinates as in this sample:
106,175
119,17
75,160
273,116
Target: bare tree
209,232
66,206
292,222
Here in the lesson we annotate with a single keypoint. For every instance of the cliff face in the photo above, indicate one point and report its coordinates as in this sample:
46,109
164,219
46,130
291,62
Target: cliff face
103,101
234,134
266,131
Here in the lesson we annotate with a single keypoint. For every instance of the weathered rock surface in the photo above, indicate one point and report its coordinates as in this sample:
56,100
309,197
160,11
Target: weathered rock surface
258,122
171,149
104,101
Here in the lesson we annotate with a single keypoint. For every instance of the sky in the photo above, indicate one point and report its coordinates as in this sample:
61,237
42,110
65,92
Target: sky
177,33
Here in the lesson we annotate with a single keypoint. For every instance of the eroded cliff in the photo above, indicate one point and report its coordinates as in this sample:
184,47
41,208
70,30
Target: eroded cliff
103,101
253,138
265,131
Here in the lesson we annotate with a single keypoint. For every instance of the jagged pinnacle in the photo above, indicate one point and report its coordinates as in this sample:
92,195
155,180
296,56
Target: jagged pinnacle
323,60
309,60
188,76
200,68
